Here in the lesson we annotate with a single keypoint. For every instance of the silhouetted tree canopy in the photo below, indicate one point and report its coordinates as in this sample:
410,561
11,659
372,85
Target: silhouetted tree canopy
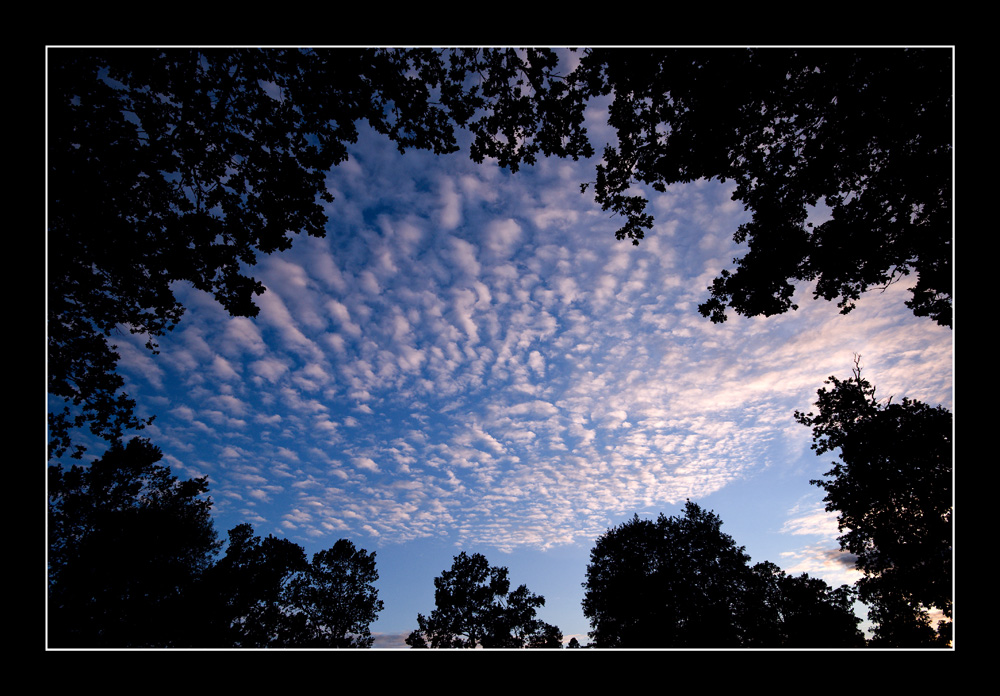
245,594
263,593
679,582
185,165
892,490
130,564
333,602
865,132
805,612
474,607
127,543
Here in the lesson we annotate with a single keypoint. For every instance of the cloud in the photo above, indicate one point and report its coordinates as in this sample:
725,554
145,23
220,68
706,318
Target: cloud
488,364
450,202
366,464
814,522
462,257
502,237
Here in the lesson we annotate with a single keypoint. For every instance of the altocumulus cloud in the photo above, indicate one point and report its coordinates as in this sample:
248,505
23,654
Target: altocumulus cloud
472,355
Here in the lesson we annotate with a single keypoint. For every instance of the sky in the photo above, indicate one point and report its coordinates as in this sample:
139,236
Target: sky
470,361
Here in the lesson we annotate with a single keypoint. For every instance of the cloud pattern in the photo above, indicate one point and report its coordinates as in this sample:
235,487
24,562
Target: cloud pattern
470,355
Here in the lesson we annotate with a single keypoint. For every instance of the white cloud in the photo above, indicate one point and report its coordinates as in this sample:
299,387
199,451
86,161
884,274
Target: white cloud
270,369
450,214
502,237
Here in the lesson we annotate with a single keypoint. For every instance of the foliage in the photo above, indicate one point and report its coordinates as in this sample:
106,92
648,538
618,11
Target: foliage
892,490
805,612
130,564
245,593
264,594
673,582
474,607
867,133
127,543
334,600
679,582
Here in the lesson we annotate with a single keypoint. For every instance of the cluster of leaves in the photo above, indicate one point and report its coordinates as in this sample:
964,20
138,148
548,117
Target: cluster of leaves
680,582
264,594
867,133
892,491
474,607
127,543
131,564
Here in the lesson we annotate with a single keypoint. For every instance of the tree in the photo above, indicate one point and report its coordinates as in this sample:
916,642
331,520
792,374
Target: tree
474,607
334,600
264,594
128,542
679,582
246,592
672,582
866,132
892,490
809,613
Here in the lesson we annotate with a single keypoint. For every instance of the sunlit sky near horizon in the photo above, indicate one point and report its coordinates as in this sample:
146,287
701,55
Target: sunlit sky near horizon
470,361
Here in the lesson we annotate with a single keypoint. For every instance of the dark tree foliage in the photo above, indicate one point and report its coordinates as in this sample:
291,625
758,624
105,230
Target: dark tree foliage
334,600
892,490
679,582
128,542
264,594
673,582
245,592
865,132
805,612
474,607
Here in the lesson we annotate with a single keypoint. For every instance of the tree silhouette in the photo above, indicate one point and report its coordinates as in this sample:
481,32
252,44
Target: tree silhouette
474,607
892,491
865,132
245,594
334,600
805,612
673,582
679,582
263,593
130,564
128,542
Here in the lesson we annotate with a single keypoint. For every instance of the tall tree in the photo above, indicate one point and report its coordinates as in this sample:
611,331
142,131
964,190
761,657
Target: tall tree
334,601
680,582
128,542
474,607
892,491
672,582
245,595
264,594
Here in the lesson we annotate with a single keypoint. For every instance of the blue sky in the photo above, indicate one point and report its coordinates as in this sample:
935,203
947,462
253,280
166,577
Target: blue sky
470,361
